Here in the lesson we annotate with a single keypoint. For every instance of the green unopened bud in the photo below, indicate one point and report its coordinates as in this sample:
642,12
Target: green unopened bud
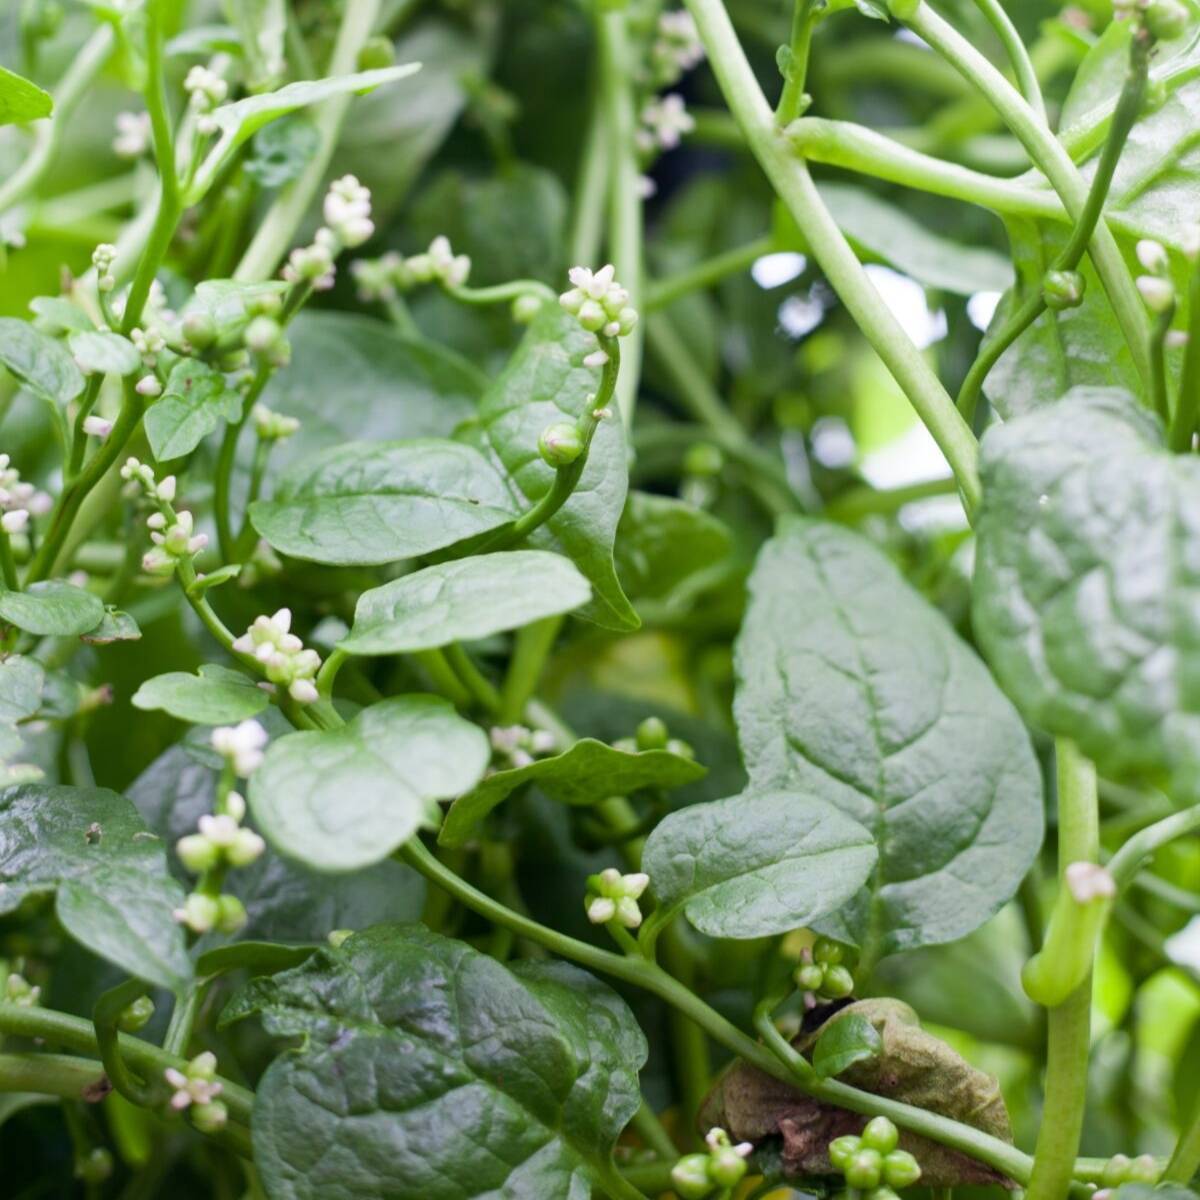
1167,19
680,748
1143,1169
200,330
810,977
525,308
560,444
881,1193
197,853
337,937
838,984
703,459
900,1169
264,304
1116,1171
689,1177
863,1171
231,914
1063,289
233,360
378,52
826,950
209,1118
726,1166
95,1166
263,334
843,1149
135,1015
1155,96
880,1134
652,734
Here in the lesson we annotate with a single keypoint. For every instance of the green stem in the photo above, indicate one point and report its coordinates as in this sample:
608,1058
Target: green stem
105,1014
79,437
8,564
625,232
275,234
1068,1024
650,1129
1131,857
1055,163
52,1075
1159,400
442,676
1187,404
705,274
226,458
502,292
1018,56
1185,1162
88,64
831,250
329,669
591,189
792,100
531,646
483,692
863,502
183,1018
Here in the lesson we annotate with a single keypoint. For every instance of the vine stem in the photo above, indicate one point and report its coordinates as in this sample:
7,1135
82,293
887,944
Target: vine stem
1127,861
275,234
1183,424
804,20
1018,56
1185,1162
1069,1024
1054,162
705,274
591,189
51,1075
833,253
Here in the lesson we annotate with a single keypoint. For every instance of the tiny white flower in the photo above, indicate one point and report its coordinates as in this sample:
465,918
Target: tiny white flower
15,520
133,134
601,910
303,691
220,829
596,359
1157,293
148,385
664,124
242,745
1153,256
99,427
166,489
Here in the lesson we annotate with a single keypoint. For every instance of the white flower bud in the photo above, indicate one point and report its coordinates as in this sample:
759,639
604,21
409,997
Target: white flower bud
1153,256
197,853
601,910
99,427
15,521
199,913
246,847
1089,881
235,806
241,745
1157,293
149,386
597,358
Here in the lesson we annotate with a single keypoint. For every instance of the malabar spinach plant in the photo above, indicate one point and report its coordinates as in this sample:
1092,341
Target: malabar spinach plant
543,655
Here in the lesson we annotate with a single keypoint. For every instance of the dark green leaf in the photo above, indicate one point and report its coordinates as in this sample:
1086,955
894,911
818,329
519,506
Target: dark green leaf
590,771
52,608
217,696
262,958
21,100
363,504
545,381
195,402
39,361
102,352
21,683
662,541
852,688
843,1043
347,798
438,1072
115,896
465,600
759,863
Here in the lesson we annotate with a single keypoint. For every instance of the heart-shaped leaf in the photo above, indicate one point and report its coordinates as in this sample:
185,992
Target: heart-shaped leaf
196,400
361,504
102,352
428,1069
465,600
52,608
852,688
590,771
114,895
758,864
217,696
39,361
348,797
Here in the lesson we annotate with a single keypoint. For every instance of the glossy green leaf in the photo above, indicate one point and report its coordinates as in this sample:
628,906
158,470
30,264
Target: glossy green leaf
364,504
102,352
21,682
114,626
545,381
195,401
52,608
347,798
429,1069
758,864
21,100
464,601
852,688
39,361
216,696
56,315
114,895
1083,607
661,542
843,1043
590,771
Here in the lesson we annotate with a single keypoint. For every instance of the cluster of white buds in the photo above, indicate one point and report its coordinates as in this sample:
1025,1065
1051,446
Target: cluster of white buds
206,89
133,134
612,896
348,211
221,838
19,991
439,264
18,499
103,258
676,48
196,1089
1156,288
381,278
202,913
517,746
664,123
313,264
149,343
241,746
283,655
697,1175
601,305
272,426
174,542
140,476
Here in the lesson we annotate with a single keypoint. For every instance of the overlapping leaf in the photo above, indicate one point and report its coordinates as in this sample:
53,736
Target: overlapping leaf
195,401
216,696
52,608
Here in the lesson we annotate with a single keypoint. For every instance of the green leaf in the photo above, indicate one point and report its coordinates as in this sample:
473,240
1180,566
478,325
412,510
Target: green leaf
243,118
21,683
39,361
661,542
204,41
261,25
217,696
115,896
196,400
852,688
52,608
758,864
102,352
114,626
438,1072
464,601
546,381
55,315
21,100
884,232
362,504
590,771
1082,608
347,798
227,303
843,1043
262,958
282,150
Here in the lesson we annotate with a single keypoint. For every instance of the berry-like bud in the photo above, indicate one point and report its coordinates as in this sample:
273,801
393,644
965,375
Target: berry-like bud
726,1166
1116,1171
262,334
680,748
900,1169
865,1169
560,444
880,1134
810,977
843,1149
1143,1169
197,853
1063,289
703,459
526,308
652,734
689,1177
135,1015
826,950
1167,19
231,914
1157,293
211,1117
377,52
199,913
838,984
